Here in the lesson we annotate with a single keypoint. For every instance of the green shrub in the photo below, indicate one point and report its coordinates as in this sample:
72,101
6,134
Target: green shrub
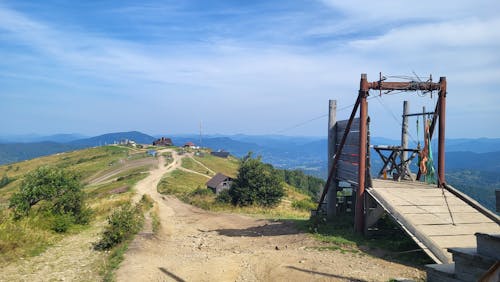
257,183
5,181
62,222
123,223
305,204
59,190
224,197
200,191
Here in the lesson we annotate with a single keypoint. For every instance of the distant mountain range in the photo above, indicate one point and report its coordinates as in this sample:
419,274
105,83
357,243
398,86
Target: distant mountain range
307,153
473,165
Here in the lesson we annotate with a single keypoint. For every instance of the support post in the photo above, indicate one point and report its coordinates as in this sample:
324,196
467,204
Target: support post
404,137
331,207
363,119
442,128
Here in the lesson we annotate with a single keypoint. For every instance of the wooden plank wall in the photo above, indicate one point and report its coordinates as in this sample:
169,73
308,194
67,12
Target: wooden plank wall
349,158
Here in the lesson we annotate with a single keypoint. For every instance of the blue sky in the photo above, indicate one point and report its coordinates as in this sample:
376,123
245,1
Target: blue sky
253,67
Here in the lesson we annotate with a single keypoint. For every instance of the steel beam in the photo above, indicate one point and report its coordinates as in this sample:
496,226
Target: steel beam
404,86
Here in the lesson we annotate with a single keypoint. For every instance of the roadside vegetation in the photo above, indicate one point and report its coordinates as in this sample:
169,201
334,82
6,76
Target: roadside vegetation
122,224
390,242
44,200
256,184
274,202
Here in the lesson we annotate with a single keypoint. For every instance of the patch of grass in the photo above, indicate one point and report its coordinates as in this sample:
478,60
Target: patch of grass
181,183
104,190
26,237
190,164
86,162
114,259
5,180
155,219
123,223
227,166
305,205
168,158
393,244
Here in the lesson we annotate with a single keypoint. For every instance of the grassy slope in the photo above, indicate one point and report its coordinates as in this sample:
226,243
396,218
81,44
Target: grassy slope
192,165
31,235
183,184
227,166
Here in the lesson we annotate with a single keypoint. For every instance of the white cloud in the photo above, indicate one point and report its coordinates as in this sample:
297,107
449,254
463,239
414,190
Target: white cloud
459,41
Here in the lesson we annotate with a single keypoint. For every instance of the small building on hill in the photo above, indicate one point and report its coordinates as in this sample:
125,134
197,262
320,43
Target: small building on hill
127,142
219,183
163,142
190,145
221,154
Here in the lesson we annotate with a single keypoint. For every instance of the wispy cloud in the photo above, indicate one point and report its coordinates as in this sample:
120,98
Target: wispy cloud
262,56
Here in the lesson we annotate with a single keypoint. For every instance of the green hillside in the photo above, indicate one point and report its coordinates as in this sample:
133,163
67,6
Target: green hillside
108,174
190,186
32,234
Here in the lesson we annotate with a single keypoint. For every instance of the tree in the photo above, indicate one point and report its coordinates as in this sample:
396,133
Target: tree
256,183
61,190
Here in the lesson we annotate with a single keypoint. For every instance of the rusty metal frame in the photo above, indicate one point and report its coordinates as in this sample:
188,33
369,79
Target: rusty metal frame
362,103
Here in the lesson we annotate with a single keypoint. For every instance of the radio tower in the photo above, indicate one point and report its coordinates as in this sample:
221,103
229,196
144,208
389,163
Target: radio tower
200,135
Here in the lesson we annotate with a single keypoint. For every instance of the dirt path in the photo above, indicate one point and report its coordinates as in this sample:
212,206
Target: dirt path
196,245
148,185
195,172
71,259
109,176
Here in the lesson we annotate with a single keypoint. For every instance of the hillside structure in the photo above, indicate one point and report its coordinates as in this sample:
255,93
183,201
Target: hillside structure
163,141
219,183
442,221
190,145
221,154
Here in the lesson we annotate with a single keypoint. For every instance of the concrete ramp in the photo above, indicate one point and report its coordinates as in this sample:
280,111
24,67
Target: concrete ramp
435,218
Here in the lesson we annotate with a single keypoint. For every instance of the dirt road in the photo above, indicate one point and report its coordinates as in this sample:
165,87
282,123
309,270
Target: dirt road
196,245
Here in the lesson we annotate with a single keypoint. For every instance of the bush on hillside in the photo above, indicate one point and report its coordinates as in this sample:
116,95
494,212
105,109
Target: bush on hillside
123,223
224,197
201,191
256,183
304,204
59,190
4,181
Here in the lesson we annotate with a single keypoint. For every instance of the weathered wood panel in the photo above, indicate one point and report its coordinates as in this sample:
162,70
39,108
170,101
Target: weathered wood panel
350,150
353,158
424,211
347,175
341,125
352,139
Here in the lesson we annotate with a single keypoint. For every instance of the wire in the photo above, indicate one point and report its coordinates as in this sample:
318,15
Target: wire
318,117
301,123
394,117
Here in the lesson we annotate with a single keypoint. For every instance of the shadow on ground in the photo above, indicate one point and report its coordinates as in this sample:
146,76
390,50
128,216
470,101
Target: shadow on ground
171,275
278,228
329,275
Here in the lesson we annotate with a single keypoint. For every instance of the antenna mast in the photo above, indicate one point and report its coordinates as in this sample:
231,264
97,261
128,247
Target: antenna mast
200,135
